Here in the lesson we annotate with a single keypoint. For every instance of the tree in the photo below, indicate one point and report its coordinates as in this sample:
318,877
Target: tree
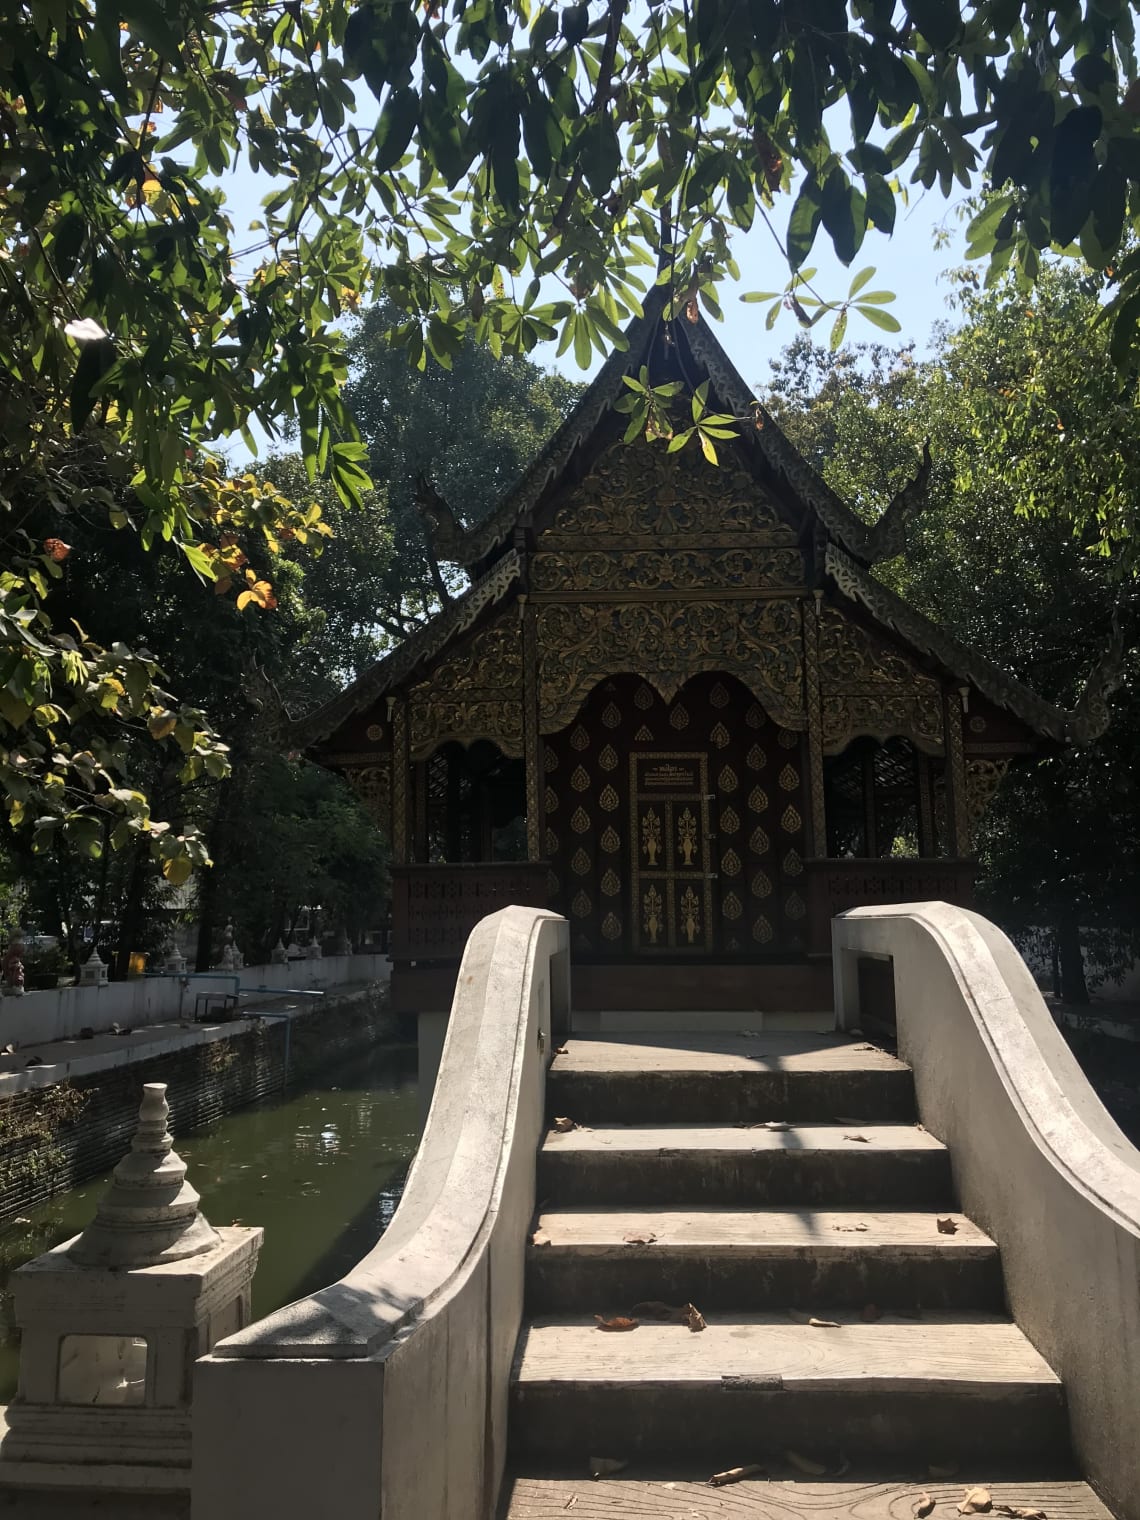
512,149
1030,437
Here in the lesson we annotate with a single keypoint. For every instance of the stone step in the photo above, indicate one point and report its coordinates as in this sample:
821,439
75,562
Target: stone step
591,1259
946,1389
636,1495
726,1078
829,1165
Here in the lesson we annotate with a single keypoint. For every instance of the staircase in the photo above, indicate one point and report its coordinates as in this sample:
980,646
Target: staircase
855,1349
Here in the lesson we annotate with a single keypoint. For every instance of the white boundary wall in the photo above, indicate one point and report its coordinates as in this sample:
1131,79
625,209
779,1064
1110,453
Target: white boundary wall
41,1017
386,1394
1038,1162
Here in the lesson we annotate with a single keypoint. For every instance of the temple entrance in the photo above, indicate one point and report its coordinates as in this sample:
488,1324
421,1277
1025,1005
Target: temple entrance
675,829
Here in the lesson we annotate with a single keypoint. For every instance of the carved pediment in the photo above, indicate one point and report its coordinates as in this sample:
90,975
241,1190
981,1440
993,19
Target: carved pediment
869,687
475,693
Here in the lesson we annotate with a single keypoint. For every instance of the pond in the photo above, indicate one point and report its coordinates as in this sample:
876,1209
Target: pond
321,1169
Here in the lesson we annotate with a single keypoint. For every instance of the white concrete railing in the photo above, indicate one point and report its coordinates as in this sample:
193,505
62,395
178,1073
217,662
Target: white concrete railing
387,1392
38,1017
1037,1160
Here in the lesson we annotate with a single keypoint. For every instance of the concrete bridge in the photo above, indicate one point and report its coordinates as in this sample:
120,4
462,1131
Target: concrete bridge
919,1273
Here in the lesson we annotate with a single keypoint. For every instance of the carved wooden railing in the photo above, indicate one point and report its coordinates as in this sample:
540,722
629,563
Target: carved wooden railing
435,908
834,886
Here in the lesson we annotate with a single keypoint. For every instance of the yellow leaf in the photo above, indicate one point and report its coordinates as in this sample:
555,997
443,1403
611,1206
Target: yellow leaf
161,725
244,599
151,189
176,869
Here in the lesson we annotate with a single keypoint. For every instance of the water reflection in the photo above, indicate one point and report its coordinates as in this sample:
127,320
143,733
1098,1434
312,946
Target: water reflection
321,1170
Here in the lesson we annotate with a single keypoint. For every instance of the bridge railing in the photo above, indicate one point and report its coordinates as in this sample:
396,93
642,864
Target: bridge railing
1038,1162
386,1393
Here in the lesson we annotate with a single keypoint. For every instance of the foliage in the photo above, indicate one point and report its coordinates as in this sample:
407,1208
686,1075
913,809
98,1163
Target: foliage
1008,555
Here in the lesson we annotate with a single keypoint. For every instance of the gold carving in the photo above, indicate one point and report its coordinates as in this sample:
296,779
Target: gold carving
793,865
719,696
612,715
611,840
730,863
580,780
608,758
474,693
581,906
690,915
789,778
983,777
580,738
549,757
375,732
607,571
761,885
729,821
758,841
720,735
651,910
643,735
679,717
727,779
758,799
755,758
686,837
400,842
651,835
732,907
790,820
643,698
754,717
580,821
551,842
759,642
373,785
786,739
611,927
551,800
611,883
608,798
869,687
580,863
762,931
795,906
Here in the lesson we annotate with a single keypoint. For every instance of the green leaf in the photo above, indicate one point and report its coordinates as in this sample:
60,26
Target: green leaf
760,295
884,319
838,329
803,224
877,298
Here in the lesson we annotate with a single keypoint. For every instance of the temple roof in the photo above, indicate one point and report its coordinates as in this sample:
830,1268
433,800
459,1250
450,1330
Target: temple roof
851,545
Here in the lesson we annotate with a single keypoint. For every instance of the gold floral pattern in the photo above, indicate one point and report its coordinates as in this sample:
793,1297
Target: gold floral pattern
793,865
549,757
727,780
790,820
644,735
754,717
580,821
789,778
651,920
755,758
612,715
651,835
730,863
795,907
580,738
608,758
611,927
581,907
686,836
608,799
761,931
732,907
551,842
580,780
719,696
611,883
551,800
758,800
611,839
720,735
690,915
580,863
643,698
786,739
729,821
679,717
761,885
758,841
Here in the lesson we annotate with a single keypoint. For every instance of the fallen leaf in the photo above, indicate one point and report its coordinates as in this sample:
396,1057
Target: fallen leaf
540,1238
736,1474
850,1229
560,1050
862,1138
977,1501
923,1508
872,1312
947,1227
1018,1513
694,1318
617,1322
564,1126
777,1124
570,1503
605,1467
823,1324
921,1127
941,1473
639,1240
805,1465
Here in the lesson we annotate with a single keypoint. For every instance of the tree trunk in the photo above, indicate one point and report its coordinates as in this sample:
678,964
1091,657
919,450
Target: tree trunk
1074,989
131,921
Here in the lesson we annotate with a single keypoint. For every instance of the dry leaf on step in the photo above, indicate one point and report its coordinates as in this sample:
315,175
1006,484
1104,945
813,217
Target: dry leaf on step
805,1465
540,1238
947,1227
605,1467
694,1318
560,1050
861,1138
570,1503
736,1474
823,1324
872,1312
777,1124
850,1229
1018,1513
616,1322
941,1473
977,1501
923,1508
639,1240
564,1126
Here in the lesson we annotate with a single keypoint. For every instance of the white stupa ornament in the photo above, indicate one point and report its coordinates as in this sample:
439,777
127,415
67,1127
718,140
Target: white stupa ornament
150,1212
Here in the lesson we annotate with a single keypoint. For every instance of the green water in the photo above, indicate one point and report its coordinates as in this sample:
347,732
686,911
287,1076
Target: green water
321,1170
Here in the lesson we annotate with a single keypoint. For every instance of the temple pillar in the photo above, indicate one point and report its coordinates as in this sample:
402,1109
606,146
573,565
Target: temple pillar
532,746
401,817
813,702
957,802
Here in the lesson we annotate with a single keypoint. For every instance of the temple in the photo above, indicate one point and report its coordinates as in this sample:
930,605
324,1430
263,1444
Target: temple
675,705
